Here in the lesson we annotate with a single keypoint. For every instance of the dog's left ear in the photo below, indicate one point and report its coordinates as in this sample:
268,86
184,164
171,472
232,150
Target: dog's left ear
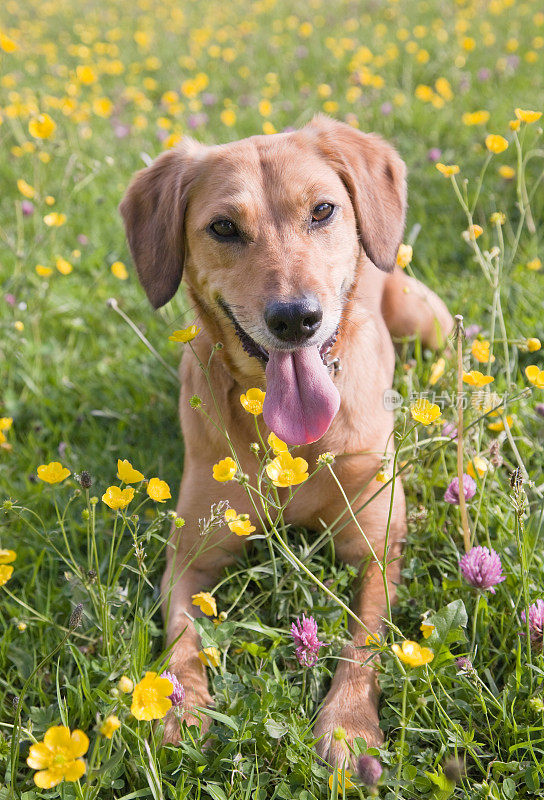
375,177
153,210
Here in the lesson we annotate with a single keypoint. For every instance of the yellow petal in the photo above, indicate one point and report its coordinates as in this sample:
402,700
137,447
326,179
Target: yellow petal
74,770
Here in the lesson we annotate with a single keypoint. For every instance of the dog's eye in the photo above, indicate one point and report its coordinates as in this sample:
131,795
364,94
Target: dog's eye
225,229
322,212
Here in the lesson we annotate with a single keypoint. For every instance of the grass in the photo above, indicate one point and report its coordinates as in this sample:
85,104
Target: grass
82,388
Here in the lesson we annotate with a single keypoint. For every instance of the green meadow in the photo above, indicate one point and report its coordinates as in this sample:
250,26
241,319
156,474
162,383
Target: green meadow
91,92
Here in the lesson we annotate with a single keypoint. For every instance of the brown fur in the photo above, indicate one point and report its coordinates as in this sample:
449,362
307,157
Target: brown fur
268,185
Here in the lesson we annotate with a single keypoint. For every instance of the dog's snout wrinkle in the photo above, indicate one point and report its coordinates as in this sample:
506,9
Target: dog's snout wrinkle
294,320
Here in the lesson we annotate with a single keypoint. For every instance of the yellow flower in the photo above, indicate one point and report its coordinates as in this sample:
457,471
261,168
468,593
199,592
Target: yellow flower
119,270
480,351
206,602
507,172
85,74
426,629
535,375
475,378
7,44
525,115
373,641
285,470
412,653
5,574
276,444
125,685
185,334
102,107
228,117
54,220
497,218
499,424
404,255
41,127
58,757
7,556
533,345
53,472
496,143
42,271
425,412
224,470
475,118
477,467
117,498
514,124
63,266
474,231
534,265
109,726
210,657
150,699
158,490
446,170
26,189
348,784
253,401
239,523
383,476
437,370
6,423
21,626
127,473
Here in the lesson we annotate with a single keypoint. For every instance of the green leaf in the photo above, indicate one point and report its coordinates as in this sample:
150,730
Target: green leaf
276,729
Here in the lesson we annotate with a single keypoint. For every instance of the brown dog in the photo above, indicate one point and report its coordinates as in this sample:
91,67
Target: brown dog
286,242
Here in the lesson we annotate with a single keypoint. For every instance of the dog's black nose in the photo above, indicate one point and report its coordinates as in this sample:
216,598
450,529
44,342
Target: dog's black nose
294,320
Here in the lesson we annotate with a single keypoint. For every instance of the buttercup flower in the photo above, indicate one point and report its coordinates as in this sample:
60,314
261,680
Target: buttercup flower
425,412
43,271
306,641
383,476
412,653
63,266
5,574
177,698
109,726
41,127
58,757
477,466
480,351
437,370
206,602
482,568
117,498
534,265
535,375
373,641
507,172
285,470
158,490
276,444
54,220
210,657
6,423
239,523
7,556
253,401
185,334
127,473
53,472
536,623
451,495
125,685
26,189
475,118
224,470
499,425
369,770
151,697
404,255
525,115
426,629
496,143
447,170
119,270
347,783
533,344
476,378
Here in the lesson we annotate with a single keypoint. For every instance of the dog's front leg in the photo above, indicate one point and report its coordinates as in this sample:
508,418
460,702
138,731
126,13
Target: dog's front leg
195,561
352,701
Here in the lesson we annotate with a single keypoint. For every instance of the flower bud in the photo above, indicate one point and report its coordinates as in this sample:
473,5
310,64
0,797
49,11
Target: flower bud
179,522
369,770
75,617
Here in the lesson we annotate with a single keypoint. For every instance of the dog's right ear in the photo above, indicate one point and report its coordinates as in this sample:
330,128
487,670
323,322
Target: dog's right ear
153,209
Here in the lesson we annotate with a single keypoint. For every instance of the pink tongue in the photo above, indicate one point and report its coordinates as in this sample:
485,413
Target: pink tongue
301,400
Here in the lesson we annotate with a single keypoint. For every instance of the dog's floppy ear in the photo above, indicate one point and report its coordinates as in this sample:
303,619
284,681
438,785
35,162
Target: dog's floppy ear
153,209
375,177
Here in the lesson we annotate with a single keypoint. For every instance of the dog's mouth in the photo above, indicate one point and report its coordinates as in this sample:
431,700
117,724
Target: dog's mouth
301,399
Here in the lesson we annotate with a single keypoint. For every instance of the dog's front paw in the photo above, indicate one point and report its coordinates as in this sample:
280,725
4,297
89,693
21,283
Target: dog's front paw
342,719
188,714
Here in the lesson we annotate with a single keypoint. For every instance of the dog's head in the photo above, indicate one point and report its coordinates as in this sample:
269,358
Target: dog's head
270,231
